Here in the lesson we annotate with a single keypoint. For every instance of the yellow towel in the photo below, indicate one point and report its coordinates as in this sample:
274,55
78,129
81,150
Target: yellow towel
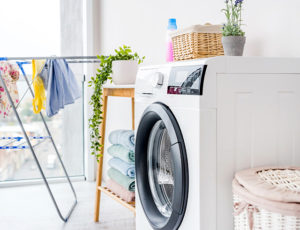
39,99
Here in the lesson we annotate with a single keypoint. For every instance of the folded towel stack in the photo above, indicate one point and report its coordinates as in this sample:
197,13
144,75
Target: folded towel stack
122,170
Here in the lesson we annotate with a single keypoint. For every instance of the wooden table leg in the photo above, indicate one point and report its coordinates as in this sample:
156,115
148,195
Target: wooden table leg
100,164
132,110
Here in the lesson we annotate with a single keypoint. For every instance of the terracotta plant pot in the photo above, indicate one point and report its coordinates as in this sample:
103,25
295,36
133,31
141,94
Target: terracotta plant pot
124,72
233,45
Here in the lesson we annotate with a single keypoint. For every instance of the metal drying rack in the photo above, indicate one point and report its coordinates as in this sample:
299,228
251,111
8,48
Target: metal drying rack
27,60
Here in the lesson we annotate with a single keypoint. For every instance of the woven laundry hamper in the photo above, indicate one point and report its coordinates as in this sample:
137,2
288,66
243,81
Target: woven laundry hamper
198,41
267,198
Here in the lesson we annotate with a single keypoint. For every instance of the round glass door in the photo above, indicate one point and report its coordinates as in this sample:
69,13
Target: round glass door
161,168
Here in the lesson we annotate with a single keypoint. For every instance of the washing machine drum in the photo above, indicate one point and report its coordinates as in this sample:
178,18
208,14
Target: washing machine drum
161,168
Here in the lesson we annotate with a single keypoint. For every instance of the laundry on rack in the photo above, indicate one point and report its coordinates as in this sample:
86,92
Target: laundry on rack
10,76
59,81
44,74
39,99
62,88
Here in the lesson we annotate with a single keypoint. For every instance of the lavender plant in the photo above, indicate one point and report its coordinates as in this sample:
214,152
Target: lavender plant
233,13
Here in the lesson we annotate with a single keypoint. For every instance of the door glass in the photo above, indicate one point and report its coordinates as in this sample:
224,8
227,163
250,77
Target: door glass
161,169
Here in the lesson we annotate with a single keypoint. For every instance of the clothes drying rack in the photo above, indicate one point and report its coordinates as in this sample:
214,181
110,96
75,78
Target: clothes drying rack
27,60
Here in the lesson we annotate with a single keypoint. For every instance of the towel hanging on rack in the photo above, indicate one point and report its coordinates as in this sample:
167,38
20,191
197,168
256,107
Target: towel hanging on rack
39,99
10,75
62,86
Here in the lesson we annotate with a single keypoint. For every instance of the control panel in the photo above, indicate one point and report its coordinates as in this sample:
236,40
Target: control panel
186,80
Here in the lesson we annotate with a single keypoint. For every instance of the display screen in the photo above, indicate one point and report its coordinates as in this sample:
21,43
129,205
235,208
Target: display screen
181,76
187,80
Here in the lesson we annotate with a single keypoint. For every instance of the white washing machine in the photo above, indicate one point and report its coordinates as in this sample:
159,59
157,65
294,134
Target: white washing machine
200,121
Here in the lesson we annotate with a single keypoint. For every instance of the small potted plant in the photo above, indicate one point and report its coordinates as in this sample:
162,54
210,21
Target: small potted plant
233,36
121,68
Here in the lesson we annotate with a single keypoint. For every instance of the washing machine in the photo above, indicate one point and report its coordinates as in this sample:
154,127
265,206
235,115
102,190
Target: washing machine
200,121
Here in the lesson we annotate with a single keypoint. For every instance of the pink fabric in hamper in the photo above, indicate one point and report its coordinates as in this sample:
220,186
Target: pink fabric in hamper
250,180
288,209
120,191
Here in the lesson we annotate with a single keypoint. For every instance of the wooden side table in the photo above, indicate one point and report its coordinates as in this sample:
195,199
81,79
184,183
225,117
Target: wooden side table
121,91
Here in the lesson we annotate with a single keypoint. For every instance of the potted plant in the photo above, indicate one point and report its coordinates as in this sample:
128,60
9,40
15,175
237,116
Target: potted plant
123,64
233,36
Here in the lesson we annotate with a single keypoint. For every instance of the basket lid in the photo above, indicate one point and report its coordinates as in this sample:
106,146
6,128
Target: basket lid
272,183
206,28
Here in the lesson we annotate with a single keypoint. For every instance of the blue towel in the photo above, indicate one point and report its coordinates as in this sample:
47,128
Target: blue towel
62,86
122,166
122,137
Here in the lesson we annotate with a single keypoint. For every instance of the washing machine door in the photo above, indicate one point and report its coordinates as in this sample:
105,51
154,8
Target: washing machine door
161,168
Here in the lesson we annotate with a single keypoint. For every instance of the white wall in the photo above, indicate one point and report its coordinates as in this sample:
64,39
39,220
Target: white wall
271,30
71,18
271,25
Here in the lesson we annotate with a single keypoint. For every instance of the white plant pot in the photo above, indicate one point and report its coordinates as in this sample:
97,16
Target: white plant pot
124,72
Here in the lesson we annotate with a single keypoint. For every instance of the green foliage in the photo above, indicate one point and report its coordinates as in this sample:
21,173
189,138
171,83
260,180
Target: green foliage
103,74
233,13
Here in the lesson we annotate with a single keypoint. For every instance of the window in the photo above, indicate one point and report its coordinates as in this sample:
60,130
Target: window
36,32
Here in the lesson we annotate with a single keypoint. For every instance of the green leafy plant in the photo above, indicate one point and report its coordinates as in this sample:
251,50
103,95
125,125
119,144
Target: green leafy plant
233,13
103,74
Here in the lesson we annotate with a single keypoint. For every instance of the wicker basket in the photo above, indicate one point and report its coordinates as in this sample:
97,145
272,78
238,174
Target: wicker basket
267,199
199,41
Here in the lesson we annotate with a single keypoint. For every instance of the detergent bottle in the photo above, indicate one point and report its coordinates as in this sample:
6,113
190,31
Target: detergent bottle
171,27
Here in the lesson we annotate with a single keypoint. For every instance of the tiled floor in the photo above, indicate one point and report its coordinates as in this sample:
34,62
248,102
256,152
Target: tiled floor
30,208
